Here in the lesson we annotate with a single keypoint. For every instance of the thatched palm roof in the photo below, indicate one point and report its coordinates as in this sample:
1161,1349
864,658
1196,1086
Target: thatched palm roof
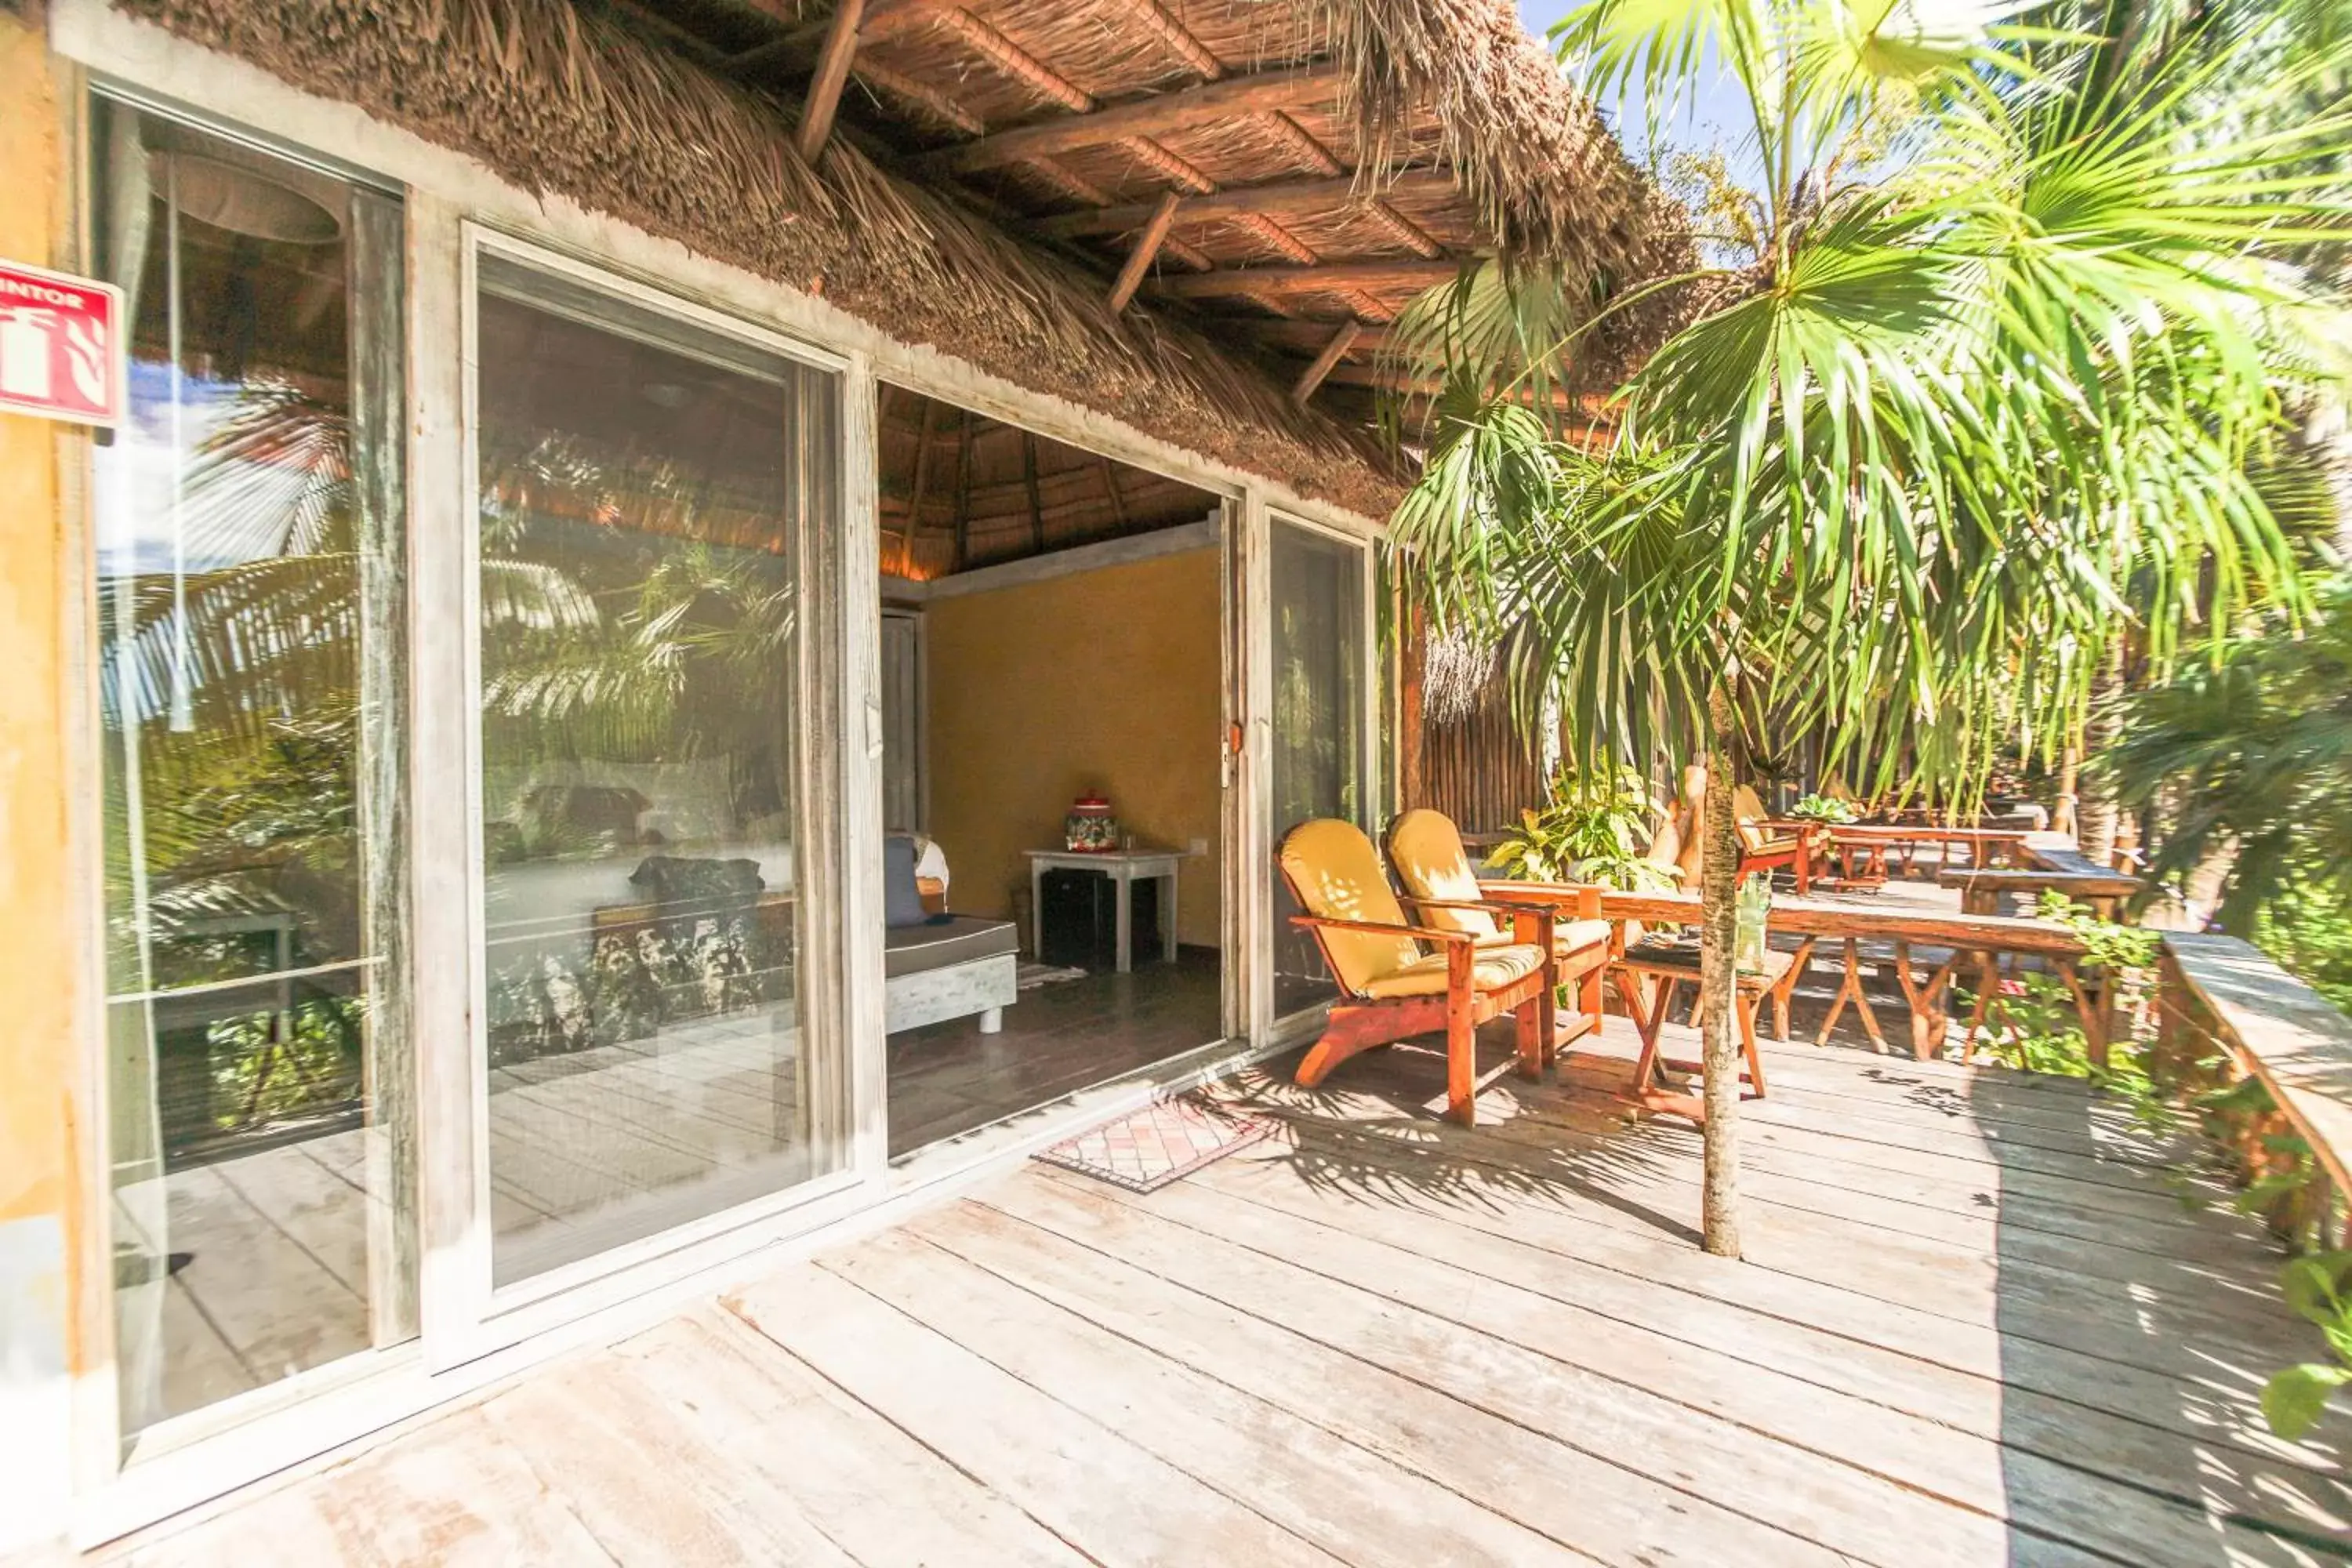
980,173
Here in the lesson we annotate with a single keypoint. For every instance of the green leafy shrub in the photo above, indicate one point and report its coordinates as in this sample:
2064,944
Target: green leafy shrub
2319,1288
1824,808
1591,830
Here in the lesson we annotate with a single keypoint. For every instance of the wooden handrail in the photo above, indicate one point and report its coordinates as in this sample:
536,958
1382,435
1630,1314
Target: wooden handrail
2279,1030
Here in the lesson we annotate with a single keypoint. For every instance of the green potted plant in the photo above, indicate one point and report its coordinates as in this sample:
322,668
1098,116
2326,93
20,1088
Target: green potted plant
1824,809
1591,830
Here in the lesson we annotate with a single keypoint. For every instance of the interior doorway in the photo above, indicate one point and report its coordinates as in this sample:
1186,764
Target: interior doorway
1053,705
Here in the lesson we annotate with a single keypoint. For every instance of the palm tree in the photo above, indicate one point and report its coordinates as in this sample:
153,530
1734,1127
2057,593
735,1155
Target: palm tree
2012,321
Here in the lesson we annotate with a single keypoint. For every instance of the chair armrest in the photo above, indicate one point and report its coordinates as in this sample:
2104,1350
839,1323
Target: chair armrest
1382,928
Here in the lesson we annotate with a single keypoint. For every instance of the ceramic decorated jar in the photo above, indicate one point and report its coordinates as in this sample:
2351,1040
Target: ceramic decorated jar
1090,827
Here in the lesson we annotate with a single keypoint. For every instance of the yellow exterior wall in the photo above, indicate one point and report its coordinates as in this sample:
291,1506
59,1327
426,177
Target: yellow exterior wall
1107,681
40,1057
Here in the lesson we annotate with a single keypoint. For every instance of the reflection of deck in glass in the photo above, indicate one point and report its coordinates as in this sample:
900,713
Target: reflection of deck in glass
268,1273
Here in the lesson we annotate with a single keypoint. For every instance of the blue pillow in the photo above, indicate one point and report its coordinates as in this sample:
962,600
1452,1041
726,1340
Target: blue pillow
902,901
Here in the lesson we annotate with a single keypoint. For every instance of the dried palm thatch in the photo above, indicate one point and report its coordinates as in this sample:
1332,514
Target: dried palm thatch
556,101
1545,174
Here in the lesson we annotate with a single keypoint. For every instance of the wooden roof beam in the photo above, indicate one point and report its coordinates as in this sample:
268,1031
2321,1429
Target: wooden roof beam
1334,278
1287,199
1166,113
1138,260
832,76
1333,351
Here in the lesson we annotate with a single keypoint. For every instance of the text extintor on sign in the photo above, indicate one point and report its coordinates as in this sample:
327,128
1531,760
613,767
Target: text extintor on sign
61,351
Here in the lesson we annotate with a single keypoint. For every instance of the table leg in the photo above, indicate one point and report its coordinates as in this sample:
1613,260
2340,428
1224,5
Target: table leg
1036,911
1784,993
1124,903
1168,921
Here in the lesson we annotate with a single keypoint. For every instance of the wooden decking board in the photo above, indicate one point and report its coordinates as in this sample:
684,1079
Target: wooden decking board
1107,1497
1695,1451
1347,1501
2216,1271
643,1481
1609,1505
1598,1236
2039,1299
1746,1367
1877,1439
2171,1230
1976,1328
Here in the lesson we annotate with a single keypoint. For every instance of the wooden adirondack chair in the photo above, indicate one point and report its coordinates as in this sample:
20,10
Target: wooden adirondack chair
1426,848
1389,989
1765,843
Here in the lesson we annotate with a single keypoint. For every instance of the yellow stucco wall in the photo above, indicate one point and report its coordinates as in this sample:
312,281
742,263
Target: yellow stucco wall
1106,680
39,1052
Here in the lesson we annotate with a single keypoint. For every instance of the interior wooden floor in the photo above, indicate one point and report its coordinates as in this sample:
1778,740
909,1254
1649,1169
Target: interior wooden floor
1977,1324
947,1080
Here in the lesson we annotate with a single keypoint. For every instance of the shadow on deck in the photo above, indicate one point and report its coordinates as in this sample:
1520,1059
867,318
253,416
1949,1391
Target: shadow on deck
1977,1323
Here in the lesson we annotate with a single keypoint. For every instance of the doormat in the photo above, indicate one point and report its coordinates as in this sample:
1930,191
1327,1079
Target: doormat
1032,976
1165,1141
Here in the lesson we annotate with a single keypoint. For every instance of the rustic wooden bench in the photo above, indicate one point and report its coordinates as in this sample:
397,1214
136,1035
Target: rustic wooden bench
2272,1027
2056,864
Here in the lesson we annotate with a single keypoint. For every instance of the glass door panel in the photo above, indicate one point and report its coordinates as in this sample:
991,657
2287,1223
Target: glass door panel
1317,766
249,559
641,495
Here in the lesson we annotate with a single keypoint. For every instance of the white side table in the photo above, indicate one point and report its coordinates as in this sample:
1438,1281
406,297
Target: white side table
1125,868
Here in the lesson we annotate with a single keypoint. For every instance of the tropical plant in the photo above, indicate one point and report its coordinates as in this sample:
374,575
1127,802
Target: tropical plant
1824,808
2251,755
1893,478
2319,1288
1588,830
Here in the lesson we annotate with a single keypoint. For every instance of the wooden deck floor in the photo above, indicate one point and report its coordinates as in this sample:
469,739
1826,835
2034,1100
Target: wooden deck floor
1977,1325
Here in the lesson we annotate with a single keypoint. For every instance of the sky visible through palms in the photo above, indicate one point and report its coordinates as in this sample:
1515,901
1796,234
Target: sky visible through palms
1712,120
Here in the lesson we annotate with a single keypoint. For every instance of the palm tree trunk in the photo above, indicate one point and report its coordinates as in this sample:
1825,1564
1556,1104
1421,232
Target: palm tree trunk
2063,817
1719,1040
2095,814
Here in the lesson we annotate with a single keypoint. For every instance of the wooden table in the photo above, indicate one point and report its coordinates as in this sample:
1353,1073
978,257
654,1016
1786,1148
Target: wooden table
1123,866
1871,844
1853,919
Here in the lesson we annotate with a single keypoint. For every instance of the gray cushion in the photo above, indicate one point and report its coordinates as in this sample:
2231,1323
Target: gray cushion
958,939
902,899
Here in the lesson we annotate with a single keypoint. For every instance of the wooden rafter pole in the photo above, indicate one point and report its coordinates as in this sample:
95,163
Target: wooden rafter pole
1181,41
1029,481
931,101
1138,260
1015,61
831,75
1291,199
963,492
1332,278
1157,116
922,479
1333,351
1110,487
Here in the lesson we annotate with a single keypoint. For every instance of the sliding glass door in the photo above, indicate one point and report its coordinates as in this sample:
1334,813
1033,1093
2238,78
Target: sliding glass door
645,484
251,603
1319,696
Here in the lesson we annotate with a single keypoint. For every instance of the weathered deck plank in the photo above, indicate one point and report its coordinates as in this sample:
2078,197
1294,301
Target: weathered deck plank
1976,1326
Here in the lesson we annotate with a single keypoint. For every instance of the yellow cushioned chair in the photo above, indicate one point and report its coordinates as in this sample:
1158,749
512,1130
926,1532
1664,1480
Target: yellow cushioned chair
1765,843
1426,850
1389,988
